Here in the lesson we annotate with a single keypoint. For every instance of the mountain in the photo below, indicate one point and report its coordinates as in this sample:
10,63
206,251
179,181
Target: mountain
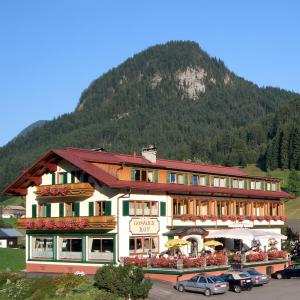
190,105
29,128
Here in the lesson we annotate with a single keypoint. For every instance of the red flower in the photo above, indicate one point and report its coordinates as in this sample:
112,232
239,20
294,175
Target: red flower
283,218
29,225
260,218
203,218
259,256
225,218
275,218
60,225
274,254
241,218
49,225
232,218
214,218
39,224
82,223
268,218
252,218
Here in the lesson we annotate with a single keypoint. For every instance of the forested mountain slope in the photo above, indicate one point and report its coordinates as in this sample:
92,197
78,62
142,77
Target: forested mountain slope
174,96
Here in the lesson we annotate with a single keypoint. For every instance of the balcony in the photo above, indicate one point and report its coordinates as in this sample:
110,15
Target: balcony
69,191
68,223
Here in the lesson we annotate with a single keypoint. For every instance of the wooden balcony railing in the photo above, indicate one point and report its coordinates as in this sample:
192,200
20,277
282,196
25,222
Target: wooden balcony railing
69,190
67,223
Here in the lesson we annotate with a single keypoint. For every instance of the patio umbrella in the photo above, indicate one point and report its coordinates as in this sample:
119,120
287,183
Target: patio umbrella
176,243
212,243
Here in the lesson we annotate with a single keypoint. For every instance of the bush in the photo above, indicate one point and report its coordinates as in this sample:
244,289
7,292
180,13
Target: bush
125,281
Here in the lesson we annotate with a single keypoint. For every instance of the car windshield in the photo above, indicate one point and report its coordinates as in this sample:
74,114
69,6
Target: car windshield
243,275
217,279
253,272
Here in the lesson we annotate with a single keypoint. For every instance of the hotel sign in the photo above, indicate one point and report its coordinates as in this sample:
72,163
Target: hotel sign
144,226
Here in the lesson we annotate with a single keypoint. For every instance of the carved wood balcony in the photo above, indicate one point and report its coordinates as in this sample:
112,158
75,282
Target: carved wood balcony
65,191
68,223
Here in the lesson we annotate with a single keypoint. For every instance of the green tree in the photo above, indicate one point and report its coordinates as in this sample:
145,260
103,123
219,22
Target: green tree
293,183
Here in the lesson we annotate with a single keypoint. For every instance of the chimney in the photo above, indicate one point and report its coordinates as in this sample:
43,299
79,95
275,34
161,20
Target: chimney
149,153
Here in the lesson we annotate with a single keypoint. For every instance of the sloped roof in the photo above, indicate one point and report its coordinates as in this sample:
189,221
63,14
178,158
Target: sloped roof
10,232
84,160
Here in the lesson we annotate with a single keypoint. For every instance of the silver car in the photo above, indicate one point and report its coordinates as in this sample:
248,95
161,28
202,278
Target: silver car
208,285
257,278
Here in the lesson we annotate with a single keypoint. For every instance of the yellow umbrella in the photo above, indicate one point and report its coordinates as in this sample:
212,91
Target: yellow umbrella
212,243
176,243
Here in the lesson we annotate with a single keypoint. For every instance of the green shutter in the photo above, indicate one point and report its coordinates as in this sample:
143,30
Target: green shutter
48,210
170,237
53,178
207,180
91,209
132,174
245,184
185,179
168,177
219,210
33,210
191,179
65,177
155,176
76,209
73,177
162,209
61,210
107,208
227,182
126,208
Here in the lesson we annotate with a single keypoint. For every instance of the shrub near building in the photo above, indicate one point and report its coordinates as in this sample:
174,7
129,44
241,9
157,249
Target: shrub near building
126,281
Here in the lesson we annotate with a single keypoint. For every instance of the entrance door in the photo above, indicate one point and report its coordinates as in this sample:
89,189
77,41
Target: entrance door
194,247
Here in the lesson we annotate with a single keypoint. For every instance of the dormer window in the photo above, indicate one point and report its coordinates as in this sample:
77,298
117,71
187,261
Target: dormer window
219,182
142,175
180,178
255,185
238,183
172,178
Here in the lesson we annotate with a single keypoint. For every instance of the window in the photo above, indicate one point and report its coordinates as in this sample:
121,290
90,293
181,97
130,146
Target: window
41,248
194,279
100,208
255,185
62,177
274,187
100,248
143,175
268,186
143,208
70,248
238,183
194,180
202,280
219,182
180,178
202,180
143,245
172,178
42,210
72,209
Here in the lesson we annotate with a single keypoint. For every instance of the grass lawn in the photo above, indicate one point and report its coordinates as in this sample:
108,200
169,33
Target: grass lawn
12,259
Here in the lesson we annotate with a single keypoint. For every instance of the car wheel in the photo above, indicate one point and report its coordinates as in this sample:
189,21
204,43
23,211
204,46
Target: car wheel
207,292
249,288
237,289
181,288
279,276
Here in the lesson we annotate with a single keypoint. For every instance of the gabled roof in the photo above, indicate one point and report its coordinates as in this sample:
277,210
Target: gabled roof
84,159
10,232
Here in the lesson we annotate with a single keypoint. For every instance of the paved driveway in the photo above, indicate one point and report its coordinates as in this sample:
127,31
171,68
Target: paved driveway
286,289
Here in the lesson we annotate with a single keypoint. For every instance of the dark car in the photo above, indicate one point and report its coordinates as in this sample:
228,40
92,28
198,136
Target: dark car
238,281
208,285
257,277
291,271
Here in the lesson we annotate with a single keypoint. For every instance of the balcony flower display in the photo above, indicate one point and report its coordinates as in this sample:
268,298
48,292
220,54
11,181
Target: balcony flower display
241,218
60,225
29,225
216,260
268,218
260,218
163,263
194,262
203,218
275,218
235,257
214,218
232,218
39,224
82,223
184,218
137,261
49,225
277,254
256,256
54,192
252,218
70,224
193,218
225,218
283,218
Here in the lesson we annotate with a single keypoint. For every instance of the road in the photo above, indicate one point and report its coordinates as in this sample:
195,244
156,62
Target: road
286,289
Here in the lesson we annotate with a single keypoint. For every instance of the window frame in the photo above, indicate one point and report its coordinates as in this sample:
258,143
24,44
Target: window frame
143,238
136,203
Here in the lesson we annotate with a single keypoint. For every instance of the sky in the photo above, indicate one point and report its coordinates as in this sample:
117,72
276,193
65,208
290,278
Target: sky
51,50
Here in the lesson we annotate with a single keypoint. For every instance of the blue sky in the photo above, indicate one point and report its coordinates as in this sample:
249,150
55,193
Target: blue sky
51,50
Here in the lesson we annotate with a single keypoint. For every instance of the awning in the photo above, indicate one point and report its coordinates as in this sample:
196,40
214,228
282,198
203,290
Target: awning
245,233
184,231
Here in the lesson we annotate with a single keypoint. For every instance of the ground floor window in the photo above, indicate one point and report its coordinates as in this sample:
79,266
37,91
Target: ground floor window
143,245
70,248
42,247
100,248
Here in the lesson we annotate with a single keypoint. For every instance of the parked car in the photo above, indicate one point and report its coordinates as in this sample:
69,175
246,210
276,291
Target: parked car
208,285
238,281
257,277
291,271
